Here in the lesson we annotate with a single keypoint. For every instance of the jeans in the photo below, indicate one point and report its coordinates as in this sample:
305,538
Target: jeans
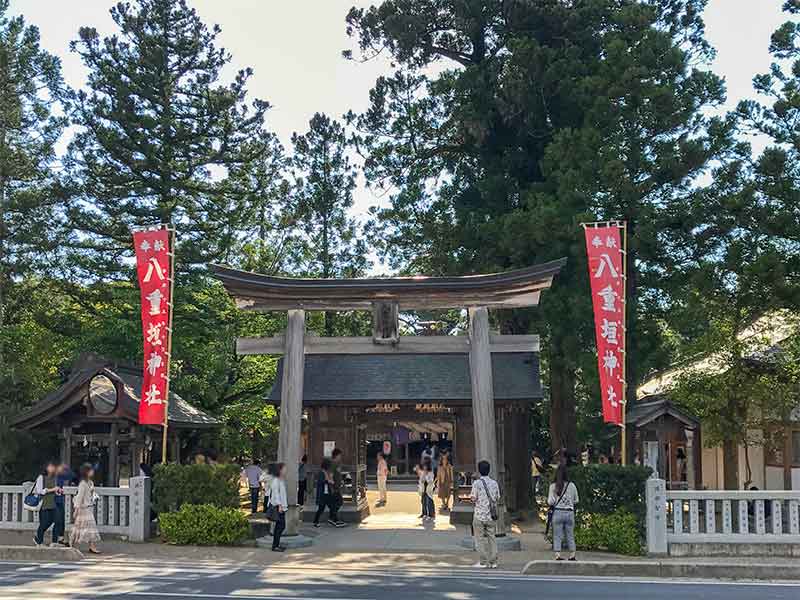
485,541
301,492
47,517
254,491
60,523
563,527
428,508
280,525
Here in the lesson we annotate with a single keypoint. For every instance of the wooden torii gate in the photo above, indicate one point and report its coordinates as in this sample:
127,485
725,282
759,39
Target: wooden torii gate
386,298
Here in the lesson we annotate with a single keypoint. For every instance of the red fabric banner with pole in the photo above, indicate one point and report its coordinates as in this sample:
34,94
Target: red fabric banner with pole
153,267
607,277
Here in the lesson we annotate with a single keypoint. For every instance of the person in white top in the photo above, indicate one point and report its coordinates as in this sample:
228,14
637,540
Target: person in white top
84,527
485,493
277,498
253,475
562,498
265,480
382,473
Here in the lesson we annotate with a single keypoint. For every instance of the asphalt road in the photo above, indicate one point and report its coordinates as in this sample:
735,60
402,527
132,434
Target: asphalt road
118,579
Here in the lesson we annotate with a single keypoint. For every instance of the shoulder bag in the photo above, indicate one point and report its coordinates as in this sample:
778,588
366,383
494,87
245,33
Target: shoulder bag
492,503
32,501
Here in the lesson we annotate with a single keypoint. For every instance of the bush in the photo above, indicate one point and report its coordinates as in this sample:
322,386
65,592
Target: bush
606,489
204,525
617,532
176,485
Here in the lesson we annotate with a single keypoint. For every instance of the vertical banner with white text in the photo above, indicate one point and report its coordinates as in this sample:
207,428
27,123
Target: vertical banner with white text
153,270
607,277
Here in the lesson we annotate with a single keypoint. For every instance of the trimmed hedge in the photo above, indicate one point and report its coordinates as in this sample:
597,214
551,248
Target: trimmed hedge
204,525
606,489
176,485
617,532
612,508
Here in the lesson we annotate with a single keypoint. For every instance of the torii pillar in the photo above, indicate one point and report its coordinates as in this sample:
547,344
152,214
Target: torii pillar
480,369
291,419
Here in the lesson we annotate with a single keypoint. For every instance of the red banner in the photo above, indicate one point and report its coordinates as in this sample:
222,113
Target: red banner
607,278
153,269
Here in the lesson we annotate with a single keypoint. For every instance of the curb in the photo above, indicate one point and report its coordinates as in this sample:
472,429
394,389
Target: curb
40,554
665,569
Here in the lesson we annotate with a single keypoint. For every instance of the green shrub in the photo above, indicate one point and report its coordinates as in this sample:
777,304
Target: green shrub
176,485
605,489
617,532
204,525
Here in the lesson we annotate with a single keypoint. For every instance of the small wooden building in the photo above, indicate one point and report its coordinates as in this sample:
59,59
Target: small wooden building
95,412
667,439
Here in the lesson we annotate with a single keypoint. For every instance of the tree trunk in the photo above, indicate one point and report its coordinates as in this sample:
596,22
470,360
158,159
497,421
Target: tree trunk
563,423
730,458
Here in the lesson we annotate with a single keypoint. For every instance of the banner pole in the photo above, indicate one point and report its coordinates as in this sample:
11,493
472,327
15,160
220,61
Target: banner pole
169,342
624,444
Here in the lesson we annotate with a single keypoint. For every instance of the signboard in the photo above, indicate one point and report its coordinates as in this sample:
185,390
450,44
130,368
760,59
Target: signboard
327,449
153,268
607,277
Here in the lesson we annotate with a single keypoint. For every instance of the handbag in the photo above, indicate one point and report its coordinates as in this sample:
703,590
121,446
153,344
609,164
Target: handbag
272,513
492,504
552,509
32,502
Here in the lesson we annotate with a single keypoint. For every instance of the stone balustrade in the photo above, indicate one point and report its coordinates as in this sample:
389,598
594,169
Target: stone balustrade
123,511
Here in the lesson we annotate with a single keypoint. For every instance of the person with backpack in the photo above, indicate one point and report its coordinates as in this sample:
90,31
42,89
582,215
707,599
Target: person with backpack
485,495
47,489
562,498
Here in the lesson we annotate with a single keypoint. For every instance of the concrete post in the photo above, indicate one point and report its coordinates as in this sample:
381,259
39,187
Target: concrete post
690,466
656,517
480,370
292,411
140,508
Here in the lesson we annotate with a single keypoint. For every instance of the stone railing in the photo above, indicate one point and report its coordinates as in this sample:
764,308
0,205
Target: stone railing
720,517
123,511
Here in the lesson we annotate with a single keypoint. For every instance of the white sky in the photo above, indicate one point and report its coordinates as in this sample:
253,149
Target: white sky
294,47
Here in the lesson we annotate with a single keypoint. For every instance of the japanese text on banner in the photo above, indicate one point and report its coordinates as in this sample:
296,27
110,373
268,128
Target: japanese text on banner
153,270
606,275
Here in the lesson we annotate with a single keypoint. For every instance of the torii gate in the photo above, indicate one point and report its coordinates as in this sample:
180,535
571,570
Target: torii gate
386,298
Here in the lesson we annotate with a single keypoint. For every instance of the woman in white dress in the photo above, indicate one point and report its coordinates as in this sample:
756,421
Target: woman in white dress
84,527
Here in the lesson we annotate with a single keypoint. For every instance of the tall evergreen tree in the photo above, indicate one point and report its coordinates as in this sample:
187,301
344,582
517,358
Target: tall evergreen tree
538,115
323,197
30,210
157,130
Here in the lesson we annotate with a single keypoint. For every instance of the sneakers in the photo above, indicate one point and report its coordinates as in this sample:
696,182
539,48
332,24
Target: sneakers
332,522
340,524
317,525
279,549
479,565
35,543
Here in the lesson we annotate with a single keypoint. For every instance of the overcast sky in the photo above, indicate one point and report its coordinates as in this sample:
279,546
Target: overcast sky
295,47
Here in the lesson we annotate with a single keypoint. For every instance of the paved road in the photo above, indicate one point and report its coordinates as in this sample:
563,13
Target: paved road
100,579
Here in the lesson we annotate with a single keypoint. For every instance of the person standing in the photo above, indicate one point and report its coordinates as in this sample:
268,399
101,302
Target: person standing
485,493
537,466
324,491
64,477
562,498
382,473
337,498
277,498
253,474
265,479
427,486
47,489
301,481
84,527
444,481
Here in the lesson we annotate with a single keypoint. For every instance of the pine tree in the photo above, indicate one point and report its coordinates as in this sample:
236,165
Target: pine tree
323,197
30,204
509,123
158,129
